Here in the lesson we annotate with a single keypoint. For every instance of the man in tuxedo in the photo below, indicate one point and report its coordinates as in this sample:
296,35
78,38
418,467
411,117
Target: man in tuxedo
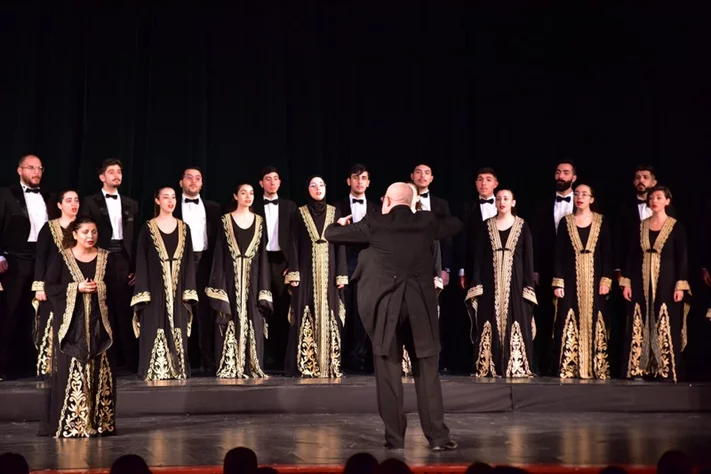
203,218
277,213
356,347
115,215
548,215
23,212
398,305
422,176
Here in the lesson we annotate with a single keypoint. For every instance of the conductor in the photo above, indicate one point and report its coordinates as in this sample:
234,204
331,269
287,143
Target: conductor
398,305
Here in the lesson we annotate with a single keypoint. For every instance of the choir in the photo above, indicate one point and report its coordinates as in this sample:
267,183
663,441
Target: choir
262,288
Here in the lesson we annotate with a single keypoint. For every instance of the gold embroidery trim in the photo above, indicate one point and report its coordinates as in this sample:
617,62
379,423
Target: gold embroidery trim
307,361
570,348
292,277
601,365
625,282
558,283
104,409
438,283
74,420
666,345
518,360
530,295
485,361
227,368
161,365
637,339
265,295
474,292
142,297
44,356
216,294
341,280
37,286
190,295
682,285
606,282
55,228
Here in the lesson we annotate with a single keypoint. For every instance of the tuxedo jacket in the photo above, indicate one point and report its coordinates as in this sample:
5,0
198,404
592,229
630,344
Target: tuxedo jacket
466,243
213,212
15,221
287,208
544,236
95,206
440,208
344,205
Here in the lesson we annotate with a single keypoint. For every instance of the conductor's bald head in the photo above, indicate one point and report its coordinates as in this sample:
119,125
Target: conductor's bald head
398,194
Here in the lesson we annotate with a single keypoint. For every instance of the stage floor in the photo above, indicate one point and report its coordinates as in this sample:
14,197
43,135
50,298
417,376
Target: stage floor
23,400
529,439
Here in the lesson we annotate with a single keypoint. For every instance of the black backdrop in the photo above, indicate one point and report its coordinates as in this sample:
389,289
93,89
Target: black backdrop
314,86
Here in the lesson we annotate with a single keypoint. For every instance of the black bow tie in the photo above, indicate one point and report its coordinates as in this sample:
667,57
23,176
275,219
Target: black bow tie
111,196
486,201
359,201
561,199
641,201
273,201
425,195
32,190
194,201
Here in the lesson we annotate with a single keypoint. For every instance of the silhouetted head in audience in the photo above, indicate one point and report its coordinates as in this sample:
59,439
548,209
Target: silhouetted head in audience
13,463
613,470
392,466
509,470
674,462
266,470
240,461
130,464
361,463
479,468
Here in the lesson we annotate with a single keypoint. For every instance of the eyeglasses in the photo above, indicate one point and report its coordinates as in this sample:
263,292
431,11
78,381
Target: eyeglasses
33,168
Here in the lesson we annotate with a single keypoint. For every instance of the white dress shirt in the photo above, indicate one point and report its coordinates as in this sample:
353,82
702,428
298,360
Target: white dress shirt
358,210
36,211
644,210
487,211
425,201
115,216
271,215
562,208
195,217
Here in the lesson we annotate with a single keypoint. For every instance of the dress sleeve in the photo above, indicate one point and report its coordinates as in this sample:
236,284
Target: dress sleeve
628,270
44,241
477,289
341,262
190,294
529,294
561,239
606,254
62,296
681,262
141,288
216,290
292,272
265,298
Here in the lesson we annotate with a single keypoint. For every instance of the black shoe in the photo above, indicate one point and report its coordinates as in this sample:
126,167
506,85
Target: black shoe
389,445
449,446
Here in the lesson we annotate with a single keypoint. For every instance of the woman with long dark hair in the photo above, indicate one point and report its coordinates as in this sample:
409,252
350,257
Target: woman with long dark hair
656,286
502,298
239,290
164,293
317,272
82,397
583,276
55,236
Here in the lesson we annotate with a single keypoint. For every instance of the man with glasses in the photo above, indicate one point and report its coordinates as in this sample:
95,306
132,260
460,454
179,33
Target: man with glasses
115,215
203,218
23,212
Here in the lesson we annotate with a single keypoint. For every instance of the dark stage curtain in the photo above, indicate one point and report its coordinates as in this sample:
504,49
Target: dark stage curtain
312,87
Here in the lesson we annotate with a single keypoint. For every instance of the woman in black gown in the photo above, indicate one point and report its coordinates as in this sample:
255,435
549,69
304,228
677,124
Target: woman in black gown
656,286
82,399
583,276
239,290
317,272
164,293
502,298
55,236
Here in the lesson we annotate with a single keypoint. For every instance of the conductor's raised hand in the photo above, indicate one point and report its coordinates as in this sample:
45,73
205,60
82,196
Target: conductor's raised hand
343,221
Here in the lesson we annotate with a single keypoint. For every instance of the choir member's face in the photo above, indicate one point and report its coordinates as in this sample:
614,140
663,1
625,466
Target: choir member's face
30,171
504,201
86,235
564,177
69,205
486,183
317,189
422,176
583,197
245,196
270,183
658,202
359,183
191,184
644,180
113,175
166,200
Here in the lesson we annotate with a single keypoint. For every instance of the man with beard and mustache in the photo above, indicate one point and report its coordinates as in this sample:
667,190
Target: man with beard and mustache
356,347
23,212
277,213
115,216
203,219
548,215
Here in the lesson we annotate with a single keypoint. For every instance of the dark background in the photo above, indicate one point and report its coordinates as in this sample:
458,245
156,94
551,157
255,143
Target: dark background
313,87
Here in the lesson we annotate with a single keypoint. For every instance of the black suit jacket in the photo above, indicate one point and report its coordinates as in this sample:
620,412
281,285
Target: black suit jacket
95,206
440,208
213,212
397,269
344,205
466,243
287,208
544,236
15,221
